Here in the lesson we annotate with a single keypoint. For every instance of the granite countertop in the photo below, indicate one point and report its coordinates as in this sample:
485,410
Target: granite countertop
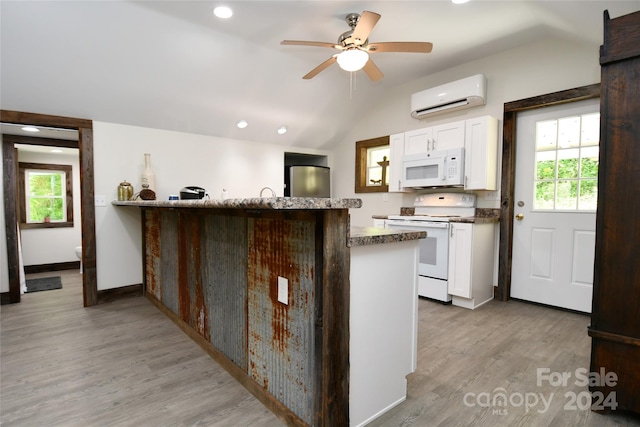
249,203
476,220
483,216
362,236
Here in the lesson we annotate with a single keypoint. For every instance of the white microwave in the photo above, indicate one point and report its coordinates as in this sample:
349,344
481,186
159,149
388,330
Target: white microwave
434,169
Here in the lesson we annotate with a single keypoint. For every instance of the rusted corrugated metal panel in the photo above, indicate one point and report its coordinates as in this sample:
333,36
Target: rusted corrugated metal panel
281,337
198,316
152,252
169,256
224,269
184,299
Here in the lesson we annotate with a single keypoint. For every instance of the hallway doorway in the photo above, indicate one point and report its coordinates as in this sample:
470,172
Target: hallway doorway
84,144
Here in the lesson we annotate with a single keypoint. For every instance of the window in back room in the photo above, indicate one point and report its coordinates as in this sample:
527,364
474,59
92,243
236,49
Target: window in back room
46,195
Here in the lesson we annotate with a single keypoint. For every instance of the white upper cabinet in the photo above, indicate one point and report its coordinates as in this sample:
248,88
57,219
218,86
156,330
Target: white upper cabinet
418,141
447,136
396,146
435,138
481,153
478,137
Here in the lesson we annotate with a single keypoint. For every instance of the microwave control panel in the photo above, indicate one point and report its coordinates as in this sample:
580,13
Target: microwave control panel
453,167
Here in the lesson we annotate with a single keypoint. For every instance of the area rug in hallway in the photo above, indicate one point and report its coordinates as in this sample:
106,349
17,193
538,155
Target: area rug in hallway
44,284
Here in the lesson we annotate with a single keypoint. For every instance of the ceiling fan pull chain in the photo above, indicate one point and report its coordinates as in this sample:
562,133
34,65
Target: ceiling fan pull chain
351,85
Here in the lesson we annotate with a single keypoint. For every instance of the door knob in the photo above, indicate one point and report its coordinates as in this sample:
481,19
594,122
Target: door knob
519,217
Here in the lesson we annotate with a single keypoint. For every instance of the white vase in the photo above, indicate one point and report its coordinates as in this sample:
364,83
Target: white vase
148,177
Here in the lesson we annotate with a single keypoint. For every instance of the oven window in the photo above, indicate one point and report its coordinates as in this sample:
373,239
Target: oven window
428,251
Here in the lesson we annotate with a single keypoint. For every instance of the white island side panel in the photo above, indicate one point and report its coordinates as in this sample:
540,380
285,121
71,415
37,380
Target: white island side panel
383,327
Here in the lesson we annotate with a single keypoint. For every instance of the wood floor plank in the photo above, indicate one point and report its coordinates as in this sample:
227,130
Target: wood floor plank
124,363
117,364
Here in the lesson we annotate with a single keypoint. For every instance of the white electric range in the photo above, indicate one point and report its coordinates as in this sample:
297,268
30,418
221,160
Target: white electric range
432,214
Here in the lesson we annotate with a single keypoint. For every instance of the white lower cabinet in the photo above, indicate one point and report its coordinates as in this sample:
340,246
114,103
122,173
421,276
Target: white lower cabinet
471,261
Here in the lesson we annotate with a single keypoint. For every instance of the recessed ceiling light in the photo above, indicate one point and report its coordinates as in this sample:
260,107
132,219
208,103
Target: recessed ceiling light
223,12
56,150
242,124
282,130
30,129
459,1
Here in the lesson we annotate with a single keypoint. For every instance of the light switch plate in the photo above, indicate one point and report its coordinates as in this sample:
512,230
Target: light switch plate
283,290
100,200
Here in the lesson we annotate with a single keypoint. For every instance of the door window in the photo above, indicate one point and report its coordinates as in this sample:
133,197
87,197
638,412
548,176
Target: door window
566,163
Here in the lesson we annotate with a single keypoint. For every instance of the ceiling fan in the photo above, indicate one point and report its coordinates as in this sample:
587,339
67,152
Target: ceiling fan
355,47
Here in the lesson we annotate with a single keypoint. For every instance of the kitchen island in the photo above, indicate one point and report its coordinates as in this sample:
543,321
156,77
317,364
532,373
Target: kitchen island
273,290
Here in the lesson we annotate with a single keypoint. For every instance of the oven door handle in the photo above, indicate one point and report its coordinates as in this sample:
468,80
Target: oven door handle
418,224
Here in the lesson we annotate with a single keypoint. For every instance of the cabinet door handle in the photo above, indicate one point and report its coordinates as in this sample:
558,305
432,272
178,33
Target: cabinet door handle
433,144
451,231
428,142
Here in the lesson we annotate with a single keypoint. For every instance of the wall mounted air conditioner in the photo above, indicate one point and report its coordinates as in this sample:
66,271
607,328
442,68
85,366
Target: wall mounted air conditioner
458,95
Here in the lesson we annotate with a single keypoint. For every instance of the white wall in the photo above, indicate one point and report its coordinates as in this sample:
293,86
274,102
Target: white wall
539,68
177,160
53,245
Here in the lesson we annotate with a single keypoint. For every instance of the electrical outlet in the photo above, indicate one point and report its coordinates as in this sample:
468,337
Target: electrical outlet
385,197
283,290
100,201
492,195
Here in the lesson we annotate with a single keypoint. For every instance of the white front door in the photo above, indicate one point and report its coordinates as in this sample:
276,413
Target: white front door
555,201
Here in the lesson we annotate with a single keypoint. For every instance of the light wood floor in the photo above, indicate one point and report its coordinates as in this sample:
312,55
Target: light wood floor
125,364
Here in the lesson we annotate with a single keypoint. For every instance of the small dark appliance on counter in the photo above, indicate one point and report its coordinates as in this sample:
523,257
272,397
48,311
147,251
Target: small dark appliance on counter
192,193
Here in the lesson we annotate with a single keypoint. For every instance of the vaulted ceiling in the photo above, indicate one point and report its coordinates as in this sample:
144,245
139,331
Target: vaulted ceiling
173,65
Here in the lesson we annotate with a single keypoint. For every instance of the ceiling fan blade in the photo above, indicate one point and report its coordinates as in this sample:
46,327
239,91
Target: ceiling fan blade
365,24
308,43
326,64
417,47
372,71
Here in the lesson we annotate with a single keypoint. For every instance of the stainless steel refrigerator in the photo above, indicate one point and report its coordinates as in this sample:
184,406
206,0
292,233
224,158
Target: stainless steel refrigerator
307,181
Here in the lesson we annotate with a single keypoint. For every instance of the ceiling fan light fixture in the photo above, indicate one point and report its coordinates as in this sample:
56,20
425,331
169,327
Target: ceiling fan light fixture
223,12
352,59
